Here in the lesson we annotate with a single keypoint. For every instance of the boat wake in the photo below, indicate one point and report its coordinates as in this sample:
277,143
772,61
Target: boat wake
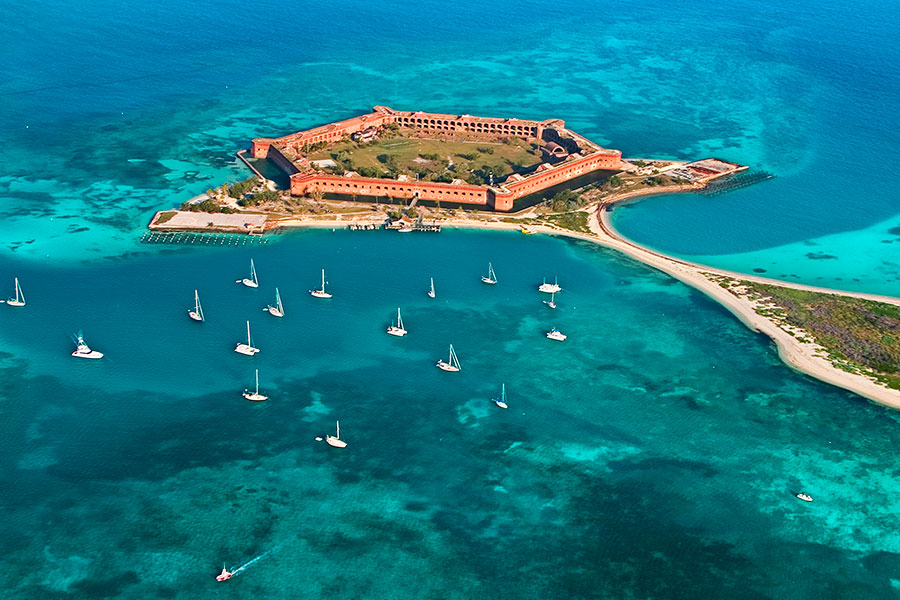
238,571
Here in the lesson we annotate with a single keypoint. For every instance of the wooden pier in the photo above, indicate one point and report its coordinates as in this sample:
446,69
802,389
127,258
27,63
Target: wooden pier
735,182
203,239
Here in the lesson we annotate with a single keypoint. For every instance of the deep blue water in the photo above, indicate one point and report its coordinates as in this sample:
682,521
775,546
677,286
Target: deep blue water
653,454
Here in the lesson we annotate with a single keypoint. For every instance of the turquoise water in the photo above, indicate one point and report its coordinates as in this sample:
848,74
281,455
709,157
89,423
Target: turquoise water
655,453
652,454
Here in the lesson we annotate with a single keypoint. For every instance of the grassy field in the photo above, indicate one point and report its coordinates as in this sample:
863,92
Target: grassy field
408,156
859,335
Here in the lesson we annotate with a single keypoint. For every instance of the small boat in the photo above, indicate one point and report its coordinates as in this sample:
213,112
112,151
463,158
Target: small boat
452,363
501,401
804,497
320,293
335,440
491,277
251,281
225,575
551,303
550,288
197,313
255,396
431,291
405,229
527,230
397,329
82,350
247,348
278,309
556,334
19,300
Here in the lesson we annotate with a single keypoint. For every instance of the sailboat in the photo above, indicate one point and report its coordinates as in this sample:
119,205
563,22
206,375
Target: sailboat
551,302
431,291
397,329
320,293
491,277
82,350
197,313
19,300
278,309
556,334
225,575
247,348
255,396
501,401
251,281
335,440
550,288
452,363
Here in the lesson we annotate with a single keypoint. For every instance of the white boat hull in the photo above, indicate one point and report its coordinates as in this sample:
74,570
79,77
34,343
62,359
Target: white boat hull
195,315
550,304
91,354
500,403
549,288
445,366
319,294
559,337
396,331
431,294
254,397
246,349
335,442
488,280
15,303
273,311
250,283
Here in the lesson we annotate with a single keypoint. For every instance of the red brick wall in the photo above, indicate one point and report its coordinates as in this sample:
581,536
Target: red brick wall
364,186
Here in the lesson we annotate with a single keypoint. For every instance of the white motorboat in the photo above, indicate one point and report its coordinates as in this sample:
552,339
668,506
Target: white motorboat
251,281
491,277
431,291
82,350
246,349
397,329
197,313
320,293
551,302
335,440
278,309
556,334
804,497
255,396
501,401
550,288
452,364
19,300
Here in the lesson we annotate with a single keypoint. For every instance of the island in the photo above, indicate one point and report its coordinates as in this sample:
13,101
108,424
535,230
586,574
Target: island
419,171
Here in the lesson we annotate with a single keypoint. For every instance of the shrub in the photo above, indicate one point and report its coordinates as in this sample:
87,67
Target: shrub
485,149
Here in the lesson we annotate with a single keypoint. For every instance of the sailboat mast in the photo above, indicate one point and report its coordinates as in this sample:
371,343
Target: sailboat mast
339,430
248,334
323,280
257,382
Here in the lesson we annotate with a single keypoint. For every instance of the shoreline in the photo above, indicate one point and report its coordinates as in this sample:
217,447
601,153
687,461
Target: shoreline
804,357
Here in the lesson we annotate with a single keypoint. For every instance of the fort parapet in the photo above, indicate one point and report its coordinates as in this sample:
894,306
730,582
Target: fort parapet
574,157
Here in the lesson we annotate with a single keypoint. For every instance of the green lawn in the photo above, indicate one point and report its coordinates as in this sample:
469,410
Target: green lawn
406,153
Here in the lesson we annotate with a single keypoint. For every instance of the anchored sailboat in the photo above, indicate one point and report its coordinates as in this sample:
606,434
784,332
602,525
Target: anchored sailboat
246,349
82,350
551,303
19,300
452,363
397,329
255,396
501,401
550,288
491,277
320,293
278,309
431,291
197,313
251,281
335,440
